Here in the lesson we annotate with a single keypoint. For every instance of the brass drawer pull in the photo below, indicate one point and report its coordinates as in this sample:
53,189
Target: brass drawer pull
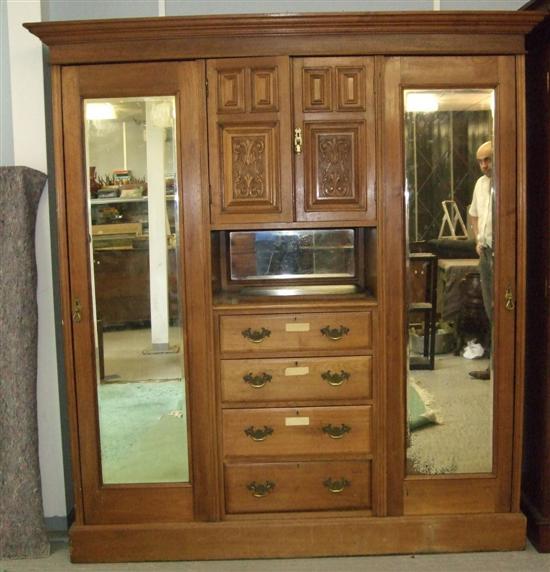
335,333
258,434
260,490
336,486
336,432
256,381
335,379
256,336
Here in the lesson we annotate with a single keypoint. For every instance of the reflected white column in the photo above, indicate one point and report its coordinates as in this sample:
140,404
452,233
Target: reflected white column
158,259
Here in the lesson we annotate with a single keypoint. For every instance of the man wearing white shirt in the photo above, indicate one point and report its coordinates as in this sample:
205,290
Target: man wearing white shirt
481,216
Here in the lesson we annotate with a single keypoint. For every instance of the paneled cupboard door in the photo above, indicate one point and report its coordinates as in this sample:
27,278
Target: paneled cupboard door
133,136
334,135
249,138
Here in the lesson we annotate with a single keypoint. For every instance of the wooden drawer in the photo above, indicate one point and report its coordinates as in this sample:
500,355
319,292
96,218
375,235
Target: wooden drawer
305,431
261,334
271,487
347,377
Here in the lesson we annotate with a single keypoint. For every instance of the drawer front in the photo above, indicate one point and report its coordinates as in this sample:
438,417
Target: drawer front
297,379
272,487
312,431
260,334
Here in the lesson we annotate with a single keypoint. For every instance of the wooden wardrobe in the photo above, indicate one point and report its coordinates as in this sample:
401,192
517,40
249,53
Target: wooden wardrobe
293,156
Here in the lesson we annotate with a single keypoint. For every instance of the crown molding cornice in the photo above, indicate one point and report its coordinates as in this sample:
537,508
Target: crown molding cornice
253,25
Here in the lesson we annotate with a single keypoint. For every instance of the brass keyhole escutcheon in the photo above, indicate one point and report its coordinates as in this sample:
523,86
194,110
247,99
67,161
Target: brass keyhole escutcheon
77,311
298,141
509,303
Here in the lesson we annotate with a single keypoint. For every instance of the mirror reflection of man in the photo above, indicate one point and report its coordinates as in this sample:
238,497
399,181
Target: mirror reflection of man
481,216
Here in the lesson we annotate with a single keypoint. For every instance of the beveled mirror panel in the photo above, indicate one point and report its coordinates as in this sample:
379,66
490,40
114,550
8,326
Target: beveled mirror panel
450,198
297,254
135,246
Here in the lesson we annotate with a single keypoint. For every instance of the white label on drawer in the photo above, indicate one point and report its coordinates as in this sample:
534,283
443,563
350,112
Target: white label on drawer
293,421
295,327
296,371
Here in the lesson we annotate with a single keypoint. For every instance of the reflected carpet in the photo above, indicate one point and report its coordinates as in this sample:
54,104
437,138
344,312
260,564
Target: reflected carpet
143,432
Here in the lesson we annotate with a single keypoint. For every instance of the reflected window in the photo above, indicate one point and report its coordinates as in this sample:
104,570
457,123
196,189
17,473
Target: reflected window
133,215
448,194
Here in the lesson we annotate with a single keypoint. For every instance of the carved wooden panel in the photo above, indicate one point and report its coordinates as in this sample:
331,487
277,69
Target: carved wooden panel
230,90
334,108
333,166
250,168
264,89
250,140
317,89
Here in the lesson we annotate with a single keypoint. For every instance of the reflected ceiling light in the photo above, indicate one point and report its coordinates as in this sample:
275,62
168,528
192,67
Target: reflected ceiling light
421,102
97,111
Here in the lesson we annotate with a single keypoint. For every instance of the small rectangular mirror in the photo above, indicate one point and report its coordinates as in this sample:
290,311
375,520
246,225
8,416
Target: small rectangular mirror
292,254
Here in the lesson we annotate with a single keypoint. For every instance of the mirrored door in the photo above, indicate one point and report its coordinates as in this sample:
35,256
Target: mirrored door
132,148
450,173
133,214
449,198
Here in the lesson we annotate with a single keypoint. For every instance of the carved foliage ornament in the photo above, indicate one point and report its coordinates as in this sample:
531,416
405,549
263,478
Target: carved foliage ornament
335,166
248,154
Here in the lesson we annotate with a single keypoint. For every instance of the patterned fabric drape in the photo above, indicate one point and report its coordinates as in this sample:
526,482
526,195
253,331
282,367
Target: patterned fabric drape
22,529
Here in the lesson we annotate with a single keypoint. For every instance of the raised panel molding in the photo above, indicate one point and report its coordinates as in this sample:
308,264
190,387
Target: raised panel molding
249,139
351,88
332,166
231,97
250,166
317,88
334,106
264,89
